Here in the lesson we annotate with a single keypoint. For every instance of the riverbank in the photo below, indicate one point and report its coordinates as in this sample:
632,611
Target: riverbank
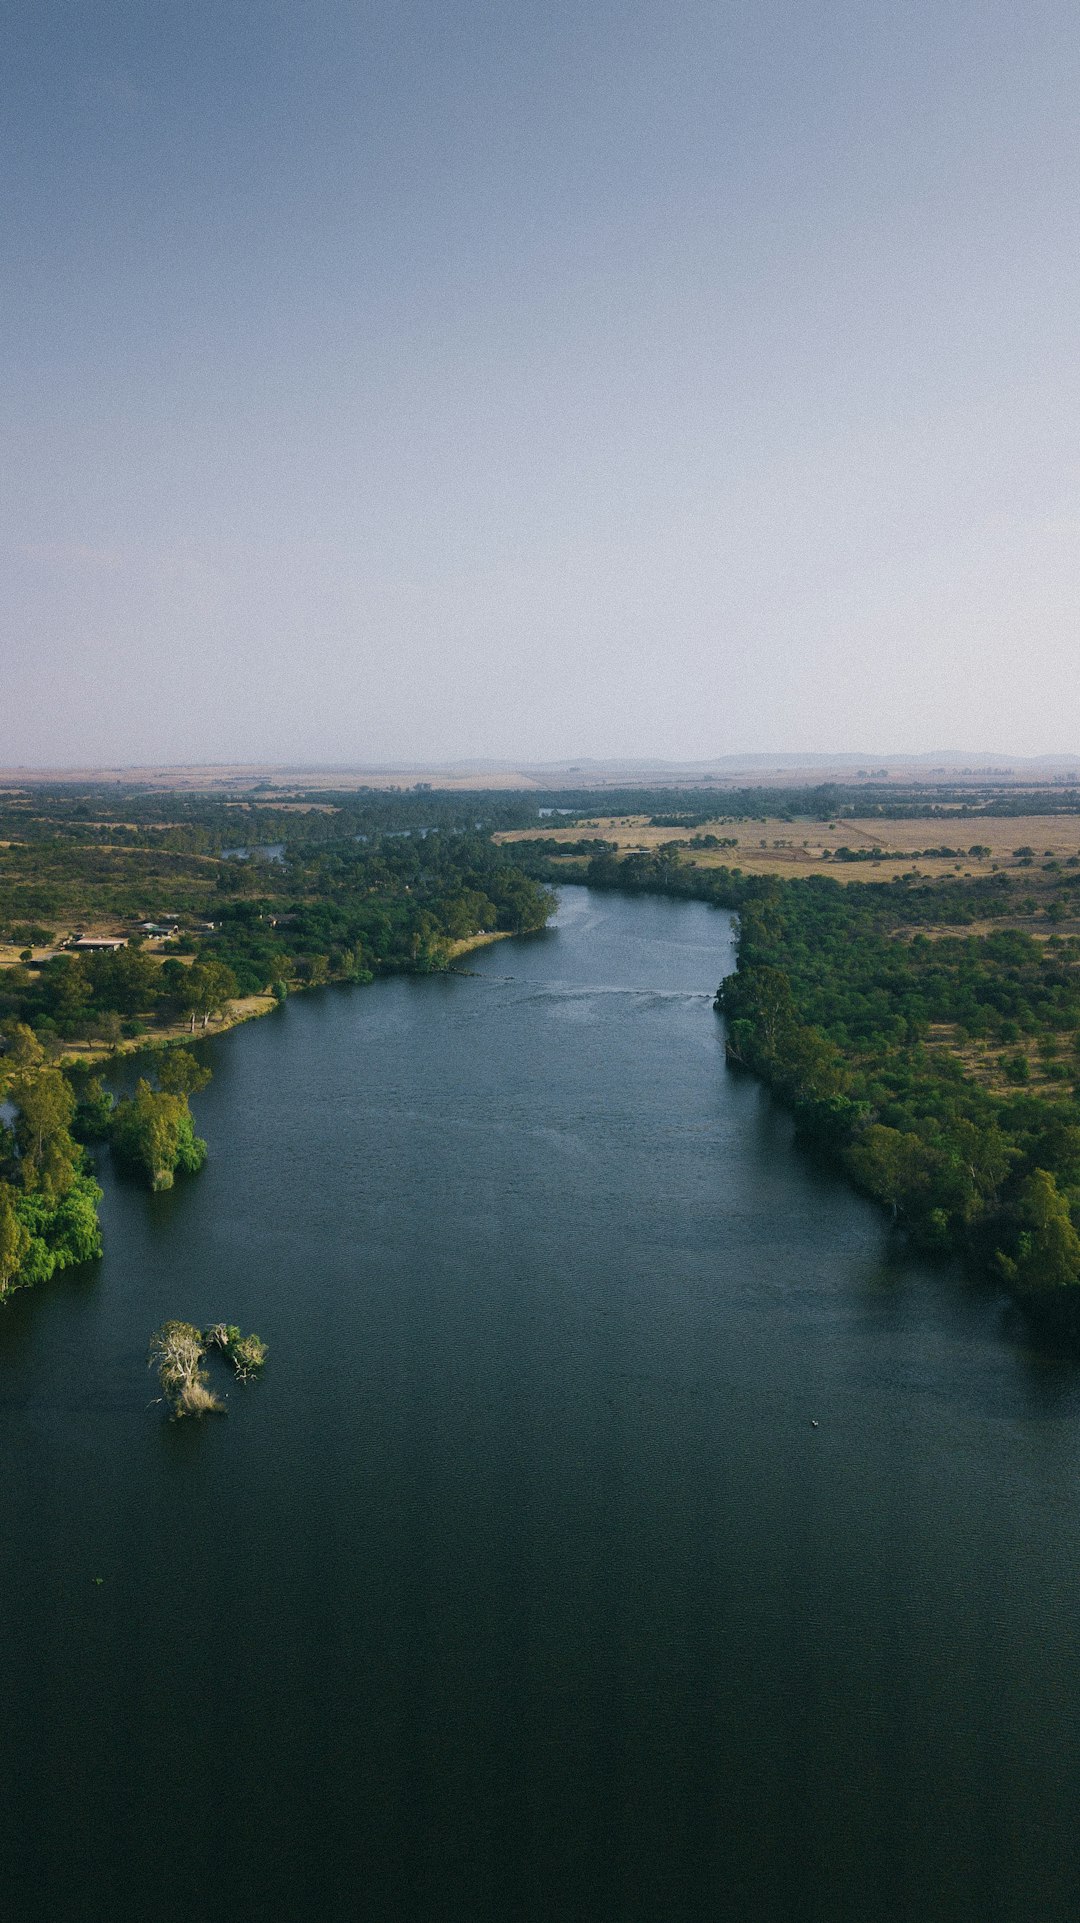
244,1008
95,1054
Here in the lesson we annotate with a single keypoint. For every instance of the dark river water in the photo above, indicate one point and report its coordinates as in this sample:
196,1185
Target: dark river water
522,1587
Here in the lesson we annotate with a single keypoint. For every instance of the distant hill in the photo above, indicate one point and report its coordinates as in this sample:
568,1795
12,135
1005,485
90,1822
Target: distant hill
949,766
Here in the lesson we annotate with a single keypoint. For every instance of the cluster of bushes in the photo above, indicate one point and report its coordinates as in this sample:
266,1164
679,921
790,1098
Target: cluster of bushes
177,1351
545,848
679,820
48,1197
977,852
152,1133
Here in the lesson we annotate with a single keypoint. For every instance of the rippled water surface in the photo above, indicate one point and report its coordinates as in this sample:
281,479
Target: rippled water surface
522,1587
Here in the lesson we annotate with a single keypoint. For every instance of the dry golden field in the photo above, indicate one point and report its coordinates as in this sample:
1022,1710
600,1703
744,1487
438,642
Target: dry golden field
241,778
791,848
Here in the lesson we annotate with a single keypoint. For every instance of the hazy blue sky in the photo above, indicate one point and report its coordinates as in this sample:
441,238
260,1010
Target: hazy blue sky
432,378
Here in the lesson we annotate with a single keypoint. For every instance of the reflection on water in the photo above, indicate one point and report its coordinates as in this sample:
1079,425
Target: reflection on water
523,1586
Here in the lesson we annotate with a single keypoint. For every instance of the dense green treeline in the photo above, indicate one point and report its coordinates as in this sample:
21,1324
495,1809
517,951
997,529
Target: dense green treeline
206,822
345,910
912,898
111,997
838,1013
121,821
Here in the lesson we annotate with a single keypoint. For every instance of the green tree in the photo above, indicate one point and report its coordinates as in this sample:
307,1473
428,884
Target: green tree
60,1233
1048,1249
127,981
762,1007
153,1134
46,1108
65,986
93,1113
14,1240
984,1157
893,1166
206,990
181,1074
22,1053
75,1233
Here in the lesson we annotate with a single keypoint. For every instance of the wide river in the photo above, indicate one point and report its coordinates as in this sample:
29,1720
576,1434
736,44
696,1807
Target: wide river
524,1586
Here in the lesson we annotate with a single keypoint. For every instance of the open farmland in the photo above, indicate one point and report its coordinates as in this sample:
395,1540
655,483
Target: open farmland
846,848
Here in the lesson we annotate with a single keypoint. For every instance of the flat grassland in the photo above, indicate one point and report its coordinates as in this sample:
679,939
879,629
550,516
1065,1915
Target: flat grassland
773,846
240,777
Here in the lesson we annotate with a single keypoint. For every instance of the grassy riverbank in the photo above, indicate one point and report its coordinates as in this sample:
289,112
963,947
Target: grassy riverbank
93,1054
246,1008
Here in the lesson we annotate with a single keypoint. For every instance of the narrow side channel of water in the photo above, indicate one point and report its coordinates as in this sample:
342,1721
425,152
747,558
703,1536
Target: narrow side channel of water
522,1587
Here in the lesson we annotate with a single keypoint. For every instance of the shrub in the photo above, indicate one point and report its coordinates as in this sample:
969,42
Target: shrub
177,1351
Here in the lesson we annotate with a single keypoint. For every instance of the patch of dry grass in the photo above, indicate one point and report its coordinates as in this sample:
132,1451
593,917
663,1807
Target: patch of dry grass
984,1062
469,942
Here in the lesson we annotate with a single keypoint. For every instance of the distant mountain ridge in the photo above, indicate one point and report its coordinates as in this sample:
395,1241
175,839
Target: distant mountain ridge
946,765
